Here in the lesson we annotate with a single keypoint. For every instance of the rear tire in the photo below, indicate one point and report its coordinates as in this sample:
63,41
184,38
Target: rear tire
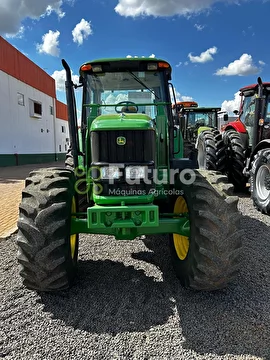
260,181
209,258
44,241
82,184
211,151
235,159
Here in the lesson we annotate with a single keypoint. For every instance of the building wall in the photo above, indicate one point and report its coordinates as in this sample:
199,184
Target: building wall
224,123
33,123
27,137
21,132
61,129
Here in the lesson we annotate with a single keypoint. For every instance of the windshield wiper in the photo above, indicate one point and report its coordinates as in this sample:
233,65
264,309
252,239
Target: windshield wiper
142,83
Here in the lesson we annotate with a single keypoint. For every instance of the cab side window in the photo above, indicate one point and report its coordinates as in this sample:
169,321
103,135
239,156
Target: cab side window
248,114
267,115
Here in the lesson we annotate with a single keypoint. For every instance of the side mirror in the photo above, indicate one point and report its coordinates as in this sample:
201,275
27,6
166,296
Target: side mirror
236,112
225,117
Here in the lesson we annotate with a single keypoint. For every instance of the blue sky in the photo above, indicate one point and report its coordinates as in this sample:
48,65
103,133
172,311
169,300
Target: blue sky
215,47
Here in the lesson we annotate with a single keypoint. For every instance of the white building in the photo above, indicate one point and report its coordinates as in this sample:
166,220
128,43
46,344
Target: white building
33,123
221,122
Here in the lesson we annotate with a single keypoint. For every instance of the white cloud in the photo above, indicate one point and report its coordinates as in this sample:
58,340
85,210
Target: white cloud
79,117
204,56
18,35
50,43
60,78
136,56
50,9
176,93
231,105
178,96
13,12
81,31
199,27
244,66
261,62
186,98
135,8
112,99
182,64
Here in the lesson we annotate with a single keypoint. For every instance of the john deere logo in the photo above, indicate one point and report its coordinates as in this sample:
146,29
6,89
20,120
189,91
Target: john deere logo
121,140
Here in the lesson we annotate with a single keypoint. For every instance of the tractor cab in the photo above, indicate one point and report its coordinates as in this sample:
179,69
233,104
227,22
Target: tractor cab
198,120
256,117
195,121
122,90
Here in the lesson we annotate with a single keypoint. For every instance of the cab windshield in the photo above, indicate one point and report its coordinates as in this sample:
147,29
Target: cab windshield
202,118
125,89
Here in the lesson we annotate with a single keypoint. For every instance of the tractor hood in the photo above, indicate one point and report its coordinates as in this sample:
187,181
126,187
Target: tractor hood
123,121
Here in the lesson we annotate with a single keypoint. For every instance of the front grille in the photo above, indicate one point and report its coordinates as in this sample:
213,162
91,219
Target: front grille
140,146
139,149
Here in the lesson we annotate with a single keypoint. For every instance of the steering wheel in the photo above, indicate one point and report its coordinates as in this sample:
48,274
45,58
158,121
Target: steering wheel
127,103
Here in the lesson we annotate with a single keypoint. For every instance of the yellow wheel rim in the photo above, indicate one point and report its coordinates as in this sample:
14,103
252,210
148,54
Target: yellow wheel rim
181,243
73,238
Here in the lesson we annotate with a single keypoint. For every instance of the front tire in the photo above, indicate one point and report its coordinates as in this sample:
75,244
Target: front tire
48,254
236,160
260,181
209,258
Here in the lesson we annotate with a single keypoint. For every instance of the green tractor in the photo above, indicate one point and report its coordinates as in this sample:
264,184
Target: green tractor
126,176
200,130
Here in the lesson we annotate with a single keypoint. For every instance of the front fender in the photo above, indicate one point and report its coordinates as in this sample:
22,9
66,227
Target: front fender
204,128
264,144
237,126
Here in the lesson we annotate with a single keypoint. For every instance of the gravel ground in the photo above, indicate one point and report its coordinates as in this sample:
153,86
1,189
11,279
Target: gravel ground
129,305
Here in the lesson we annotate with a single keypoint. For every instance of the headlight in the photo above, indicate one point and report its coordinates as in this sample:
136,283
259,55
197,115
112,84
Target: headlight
110,172
136,172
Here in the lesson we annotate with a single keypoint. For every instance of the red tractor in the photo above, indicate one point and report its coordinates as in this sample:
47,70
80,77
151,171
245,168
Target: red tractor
247,145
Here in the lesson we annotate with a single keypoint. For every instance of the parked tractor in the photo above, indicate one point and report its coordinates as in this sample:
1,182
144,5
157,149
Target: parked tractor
126,176
199,126
247,142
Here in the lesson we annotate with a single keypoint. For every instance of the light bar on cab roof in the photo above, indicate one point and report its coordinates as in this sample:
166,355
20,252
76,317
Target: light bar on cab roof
155,66
163,65
86,67
152,66
97,68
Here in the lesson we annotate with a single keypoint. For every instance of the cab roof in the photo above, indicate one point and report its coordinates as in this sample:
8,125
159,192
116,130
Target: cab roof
126,59
254,87
117,64
201,109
